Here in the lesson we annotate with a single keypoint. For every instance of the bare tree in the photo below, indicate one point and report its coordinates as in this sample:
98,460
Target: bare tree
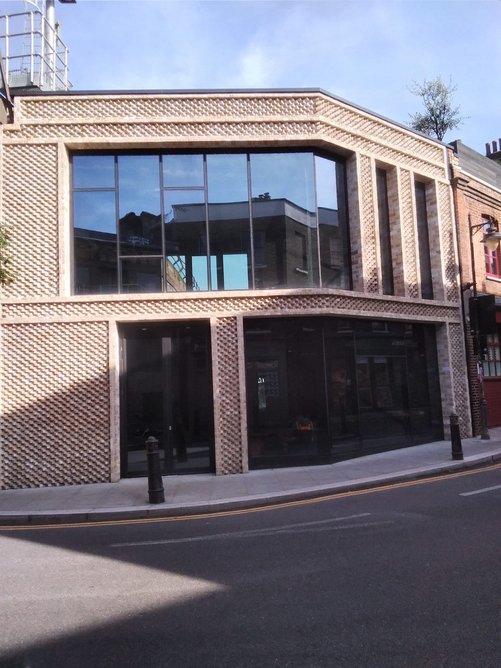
440,114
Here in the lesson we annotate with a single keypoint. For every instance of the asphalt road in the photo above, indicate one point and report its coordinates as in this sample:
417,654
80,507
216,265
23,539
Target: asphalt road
408,576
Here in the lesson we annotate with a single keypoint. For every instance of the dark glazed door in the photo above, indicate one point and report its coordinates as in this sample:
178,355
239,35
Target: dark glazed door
166,392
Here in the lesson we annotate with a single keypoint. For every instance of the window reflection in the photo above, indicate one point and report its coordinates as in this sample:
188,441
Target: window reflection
323,389
334,249
139,205
185,240
141,275
180,171
95,251
284,220
94,211
229,221
95,263
93,171
232,221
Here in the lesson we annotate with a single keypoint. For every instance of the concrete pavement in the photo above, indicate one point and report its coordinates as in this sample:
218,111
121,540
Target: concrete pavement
191,494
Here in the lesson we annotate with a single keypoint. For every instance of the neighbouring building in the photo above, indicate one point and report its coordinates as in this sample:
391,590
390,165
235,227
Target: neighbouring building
476,181
255,278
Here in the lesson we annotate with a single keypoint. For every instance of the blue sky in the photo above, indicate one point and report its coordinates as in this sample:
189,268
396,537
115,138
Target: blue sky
368,52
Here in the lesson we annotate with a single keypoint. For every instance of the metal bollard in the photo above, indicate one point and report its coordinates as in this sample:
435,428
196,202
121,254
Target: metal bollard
456,445
155,483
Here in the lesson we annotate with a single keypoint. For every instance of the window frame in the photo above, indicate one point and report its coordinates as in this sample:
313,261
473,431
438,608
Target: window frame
492,258
339,187
492,361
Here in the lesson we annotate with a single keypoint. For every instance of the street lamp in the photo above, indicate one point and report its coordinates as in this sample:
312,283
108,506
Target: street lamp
478,327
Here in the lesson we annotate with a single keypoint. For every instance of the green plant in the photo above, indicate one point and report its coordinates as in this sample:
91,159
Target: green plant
440,115
6,275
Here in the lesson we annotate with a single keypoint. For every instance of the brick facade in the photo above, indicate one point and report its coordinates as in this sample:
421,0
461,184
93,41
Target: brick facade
59,356
476,182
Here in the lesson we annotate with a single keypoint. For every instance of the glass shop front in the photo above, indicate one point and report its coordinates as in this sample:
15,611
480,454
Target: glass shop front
322,389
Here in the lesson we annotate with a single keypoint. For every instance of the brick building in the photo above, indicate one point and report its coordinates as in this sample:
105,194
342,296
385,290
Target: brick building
476,181
254,278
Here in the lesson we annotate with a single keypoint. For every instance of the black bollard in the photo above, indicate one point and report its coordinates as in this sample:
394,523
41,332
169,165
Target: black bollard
457,447
155,483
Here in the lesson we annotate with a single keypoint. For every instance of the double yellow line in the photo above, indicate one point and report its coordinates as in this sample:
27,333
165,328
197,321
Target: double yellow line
257,509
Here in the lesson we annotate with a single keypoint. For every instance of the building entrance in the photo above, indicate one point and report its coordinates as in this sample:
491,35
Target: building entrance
166,392
325,389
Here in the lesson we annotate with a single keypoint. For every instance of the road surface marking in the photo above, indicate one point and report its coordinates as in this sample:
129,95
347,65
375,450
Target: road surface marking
279,505
480,491
268,531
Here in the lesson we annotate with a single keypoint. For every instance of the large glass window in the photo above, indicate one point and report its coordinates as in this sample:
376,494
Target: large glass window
140,228
283,213
423,241
332,223
384,232
229,221
94,225
323,389
215,221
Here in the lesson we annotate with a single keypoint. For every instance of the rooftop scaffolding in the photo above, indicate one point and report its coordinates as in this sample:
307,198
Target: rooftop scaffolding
34,54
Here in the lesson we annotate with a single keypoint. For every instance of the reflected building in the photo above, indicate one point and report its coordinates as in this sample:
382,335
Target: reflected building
254,279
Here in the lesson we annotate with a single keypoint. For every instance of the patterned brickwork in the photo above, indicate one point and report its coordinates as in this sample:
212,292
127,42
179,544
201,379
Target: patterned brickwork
56,404
475,389
310,303
29,210
201,132
228,411
165,106
57,410
344,138
460,380
368,226
449,258
453,377
396,138
298,117
408,234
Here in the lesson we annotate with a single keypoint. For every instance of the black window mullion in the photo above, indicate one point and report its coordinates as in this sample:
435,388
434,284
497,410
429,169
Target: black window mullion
162,223
251,222
207,231
317,218
117,228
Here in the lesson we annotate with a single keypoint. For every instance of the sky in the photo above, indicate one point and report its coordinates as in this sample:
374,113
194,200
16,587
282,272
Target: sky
368,52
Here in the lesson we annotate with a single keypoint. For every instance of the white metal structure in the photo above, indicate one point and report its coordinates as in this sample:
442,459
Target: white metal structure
33,51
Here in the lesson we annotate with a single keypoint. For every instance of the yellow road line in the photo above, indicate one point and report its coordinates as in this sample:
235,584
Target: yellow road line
258,509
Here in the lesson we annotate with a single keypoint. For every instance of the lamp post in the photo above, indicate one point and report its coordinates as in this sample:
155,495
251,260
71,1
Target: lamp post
491,239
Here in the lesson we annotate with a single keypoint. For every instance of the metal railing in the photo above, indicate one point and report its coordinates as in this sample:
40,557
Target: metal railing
34,54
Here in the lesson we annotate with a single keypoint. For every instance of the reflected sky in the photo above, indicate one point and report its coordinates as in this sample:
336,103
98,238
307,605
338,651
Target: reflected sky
325,173
284,175
93,171
182,171
138,183
227,178
284,187
95,210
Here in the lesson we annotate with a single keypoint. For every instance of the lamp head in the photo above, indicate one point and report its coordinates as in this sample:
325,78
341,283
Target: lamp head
492,238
